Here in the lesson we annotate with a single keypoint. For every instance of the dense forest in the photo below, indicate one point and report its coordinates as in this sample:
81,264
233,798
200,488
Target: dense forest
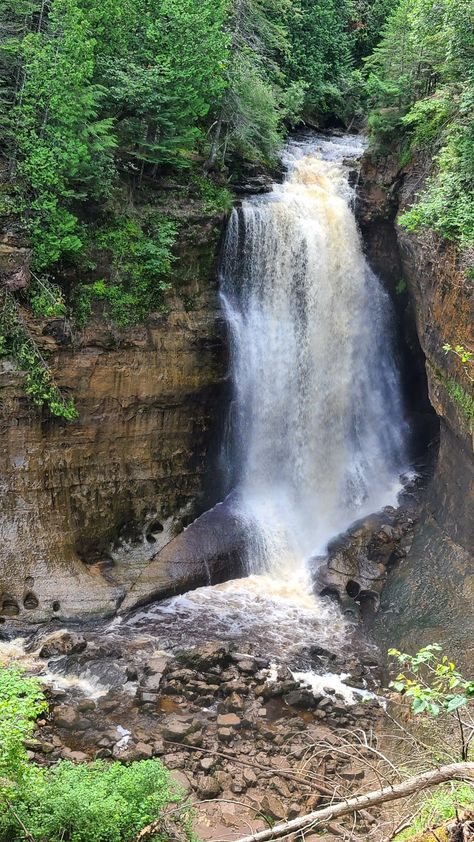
103,102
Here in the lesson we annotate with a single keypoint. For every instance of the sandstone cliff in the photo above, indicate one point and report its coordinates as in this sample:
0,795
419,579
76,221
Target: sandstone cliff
430,595
133,467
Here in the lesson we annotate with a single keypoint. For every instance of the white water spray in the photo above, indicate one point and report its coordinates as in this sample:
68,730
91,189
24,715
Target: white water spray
317,430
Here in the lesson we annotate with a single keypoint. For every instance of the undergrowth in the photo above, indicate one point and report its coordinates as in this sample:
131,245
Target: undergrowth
438,808
463,399
17,342
87,802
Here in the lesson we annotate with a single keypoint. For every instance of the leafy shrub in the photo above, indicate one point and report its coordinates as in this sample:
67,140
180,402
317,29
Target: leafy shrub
95,802
438,808
141,260
21,702
216,199
46,299
433,685
17,342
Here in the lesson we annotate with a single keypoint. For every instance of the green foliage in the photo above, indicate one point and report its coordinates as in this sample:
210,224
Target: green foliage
17,342
140,265
433,685
462,354
321,54
401,286
46,299
464,400
216,199
161,77
96,802
57,144
436,684
420,87
439,808
21,702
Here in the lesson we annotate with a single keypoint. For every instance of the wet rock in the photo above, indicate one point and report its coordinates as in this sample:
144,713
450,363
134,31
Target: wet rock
103,753
235,702
225,734
86,705
156,665
66,643
175,730
75,756
204,657
65,716
195,739
143,751
301,699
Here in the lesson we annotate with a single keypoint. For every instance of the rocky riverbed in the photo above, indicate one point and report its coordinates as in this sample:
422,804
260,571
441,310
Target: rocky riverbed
244,690
231,725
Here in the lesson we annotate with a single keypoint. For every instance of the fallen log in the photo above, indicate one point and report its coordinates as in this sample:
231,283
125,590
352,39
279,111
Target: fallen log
451,772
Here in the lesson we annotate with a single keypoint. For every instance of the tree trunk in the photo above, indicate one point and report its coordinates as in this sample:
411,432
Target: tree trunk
211,161
454,771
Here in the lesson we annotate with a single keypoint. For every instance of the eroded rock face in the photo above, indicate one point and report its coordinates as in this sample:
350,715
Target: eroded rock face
439,302
356,568
133,466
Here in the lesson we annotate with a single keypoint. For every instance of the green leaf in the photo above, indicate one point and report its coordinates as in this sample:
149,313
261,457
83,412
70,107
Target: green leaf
455,702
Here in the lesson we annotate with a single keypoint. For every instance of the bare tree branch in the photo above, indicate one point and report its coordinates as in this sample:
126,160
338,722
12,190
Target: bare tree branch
453,771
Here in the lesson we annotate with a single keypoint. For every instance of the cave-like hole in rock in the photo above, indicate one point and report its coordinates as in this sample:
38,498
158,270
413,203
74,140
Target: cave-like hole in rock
332,593
10,607
154,529
30,601
352,589
56,606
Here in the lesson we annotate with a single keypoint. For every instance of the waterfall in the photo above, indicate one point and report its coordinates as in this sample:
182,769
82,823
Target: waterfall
317,436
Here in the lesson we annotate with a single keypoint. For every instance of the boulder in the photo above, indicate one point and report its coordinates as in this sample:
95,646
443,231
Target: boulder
62,643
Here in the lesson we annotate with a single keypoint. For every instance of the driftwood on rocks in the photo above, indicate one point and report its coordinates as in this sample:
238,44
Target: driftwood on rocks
452,771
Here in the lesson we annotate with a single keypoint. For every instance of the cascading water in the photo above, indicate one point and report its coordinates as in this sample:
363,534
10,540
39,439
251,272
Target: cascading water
317,430
317,433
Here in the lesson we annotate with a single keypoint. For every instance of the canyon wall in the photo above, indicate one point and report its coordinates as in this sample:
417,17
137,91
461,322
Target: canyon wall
86,503
430,594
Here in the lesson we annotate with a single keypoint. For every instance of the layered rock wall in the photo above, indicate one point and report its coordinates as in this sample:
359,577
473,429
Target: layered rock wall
439,303
132,468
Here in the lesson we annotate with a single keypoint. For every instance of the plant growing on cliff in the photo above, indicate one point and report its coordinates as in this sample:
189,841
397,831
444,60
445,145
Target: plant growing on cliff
17,342
141,258
462,354
420,87
433,685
